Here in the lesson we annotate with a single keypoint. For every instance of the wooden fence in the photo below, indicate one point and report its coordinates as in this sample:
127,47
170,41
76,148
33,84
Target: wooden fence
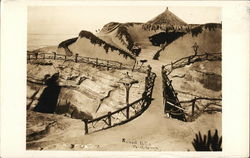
171,102
126,113
109,64
195,110
191,59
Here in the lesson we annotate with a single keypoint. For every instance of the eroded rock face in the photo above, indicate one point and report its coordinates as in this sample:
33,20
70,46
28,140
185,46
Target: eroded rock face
43,128
199,80
75,105
77,90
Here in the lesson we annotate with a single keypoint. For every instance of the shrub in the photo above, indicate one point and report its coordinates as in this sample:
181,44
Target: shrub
66,43
212,26
95,40
123,31
208,142
196,30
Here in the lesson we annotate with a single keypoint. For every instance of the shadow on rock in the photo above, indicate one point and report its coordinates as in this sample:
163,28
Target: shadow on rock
48,100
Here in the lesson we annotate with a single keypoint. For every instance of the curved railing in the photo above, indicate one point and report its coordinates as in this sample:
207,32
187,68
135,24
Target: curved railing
173,107
109,64
191,59
126,113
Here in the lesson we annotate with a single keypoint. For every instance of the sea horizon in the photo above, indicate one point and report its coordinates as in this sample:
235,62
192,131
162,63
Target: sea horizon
37,40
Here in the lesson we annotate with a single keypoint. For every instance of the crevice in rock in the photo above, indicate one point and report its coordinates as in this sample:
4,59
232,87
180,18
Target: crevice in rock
83,78
48,100
102,99
179,76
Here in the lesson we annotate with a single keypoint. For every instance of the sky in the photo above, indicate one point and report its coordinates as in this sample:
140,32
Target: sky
72,19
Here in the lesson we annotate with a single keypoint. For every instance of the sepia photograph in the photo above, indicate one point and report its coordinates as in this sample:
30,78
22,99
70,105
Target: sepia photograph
130,78
124,78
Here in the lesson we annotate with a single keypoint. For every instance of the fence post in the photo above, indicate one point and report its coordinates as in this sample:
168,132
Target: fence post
107,65
146,82
162,68
172,65
149,71
86,126
206,56
109,119
176,94
36,55
54,55
163,83
147,77
28,56
170,82
65,57
189,58
96,62
76,58
151,89
127,112
193,104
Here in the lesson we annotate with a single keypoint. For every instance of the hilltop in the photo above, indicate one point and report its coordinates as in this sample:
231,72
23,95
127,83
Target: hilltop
164,21
161,30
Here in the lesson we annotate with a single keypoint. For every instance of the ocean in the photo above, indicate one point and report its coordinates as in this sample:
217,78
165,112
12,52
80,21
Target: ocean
36,41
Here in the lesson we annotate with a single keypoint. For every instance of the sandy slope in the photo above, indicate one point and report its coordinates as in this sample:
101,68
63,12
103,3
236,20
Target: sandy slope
84,48
137,33
208,41
141,36
112,39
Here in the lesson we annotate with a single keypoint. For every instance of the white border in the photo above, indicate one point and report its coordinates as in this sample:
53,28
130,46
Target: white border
235,80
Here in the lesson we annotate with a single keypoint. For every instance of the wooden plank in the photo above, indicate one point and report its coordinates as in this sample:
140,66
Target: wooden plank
175,106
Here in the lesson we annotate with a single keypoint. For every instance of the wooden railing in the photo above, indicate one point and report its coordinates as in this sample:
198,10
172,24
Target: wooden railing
191,59
171,102
173,107
109,64
126,113
195,110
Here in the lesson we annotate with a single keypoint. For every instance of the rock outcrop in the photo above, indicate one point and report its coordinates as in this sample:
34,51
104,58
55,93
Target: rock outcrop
76,90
